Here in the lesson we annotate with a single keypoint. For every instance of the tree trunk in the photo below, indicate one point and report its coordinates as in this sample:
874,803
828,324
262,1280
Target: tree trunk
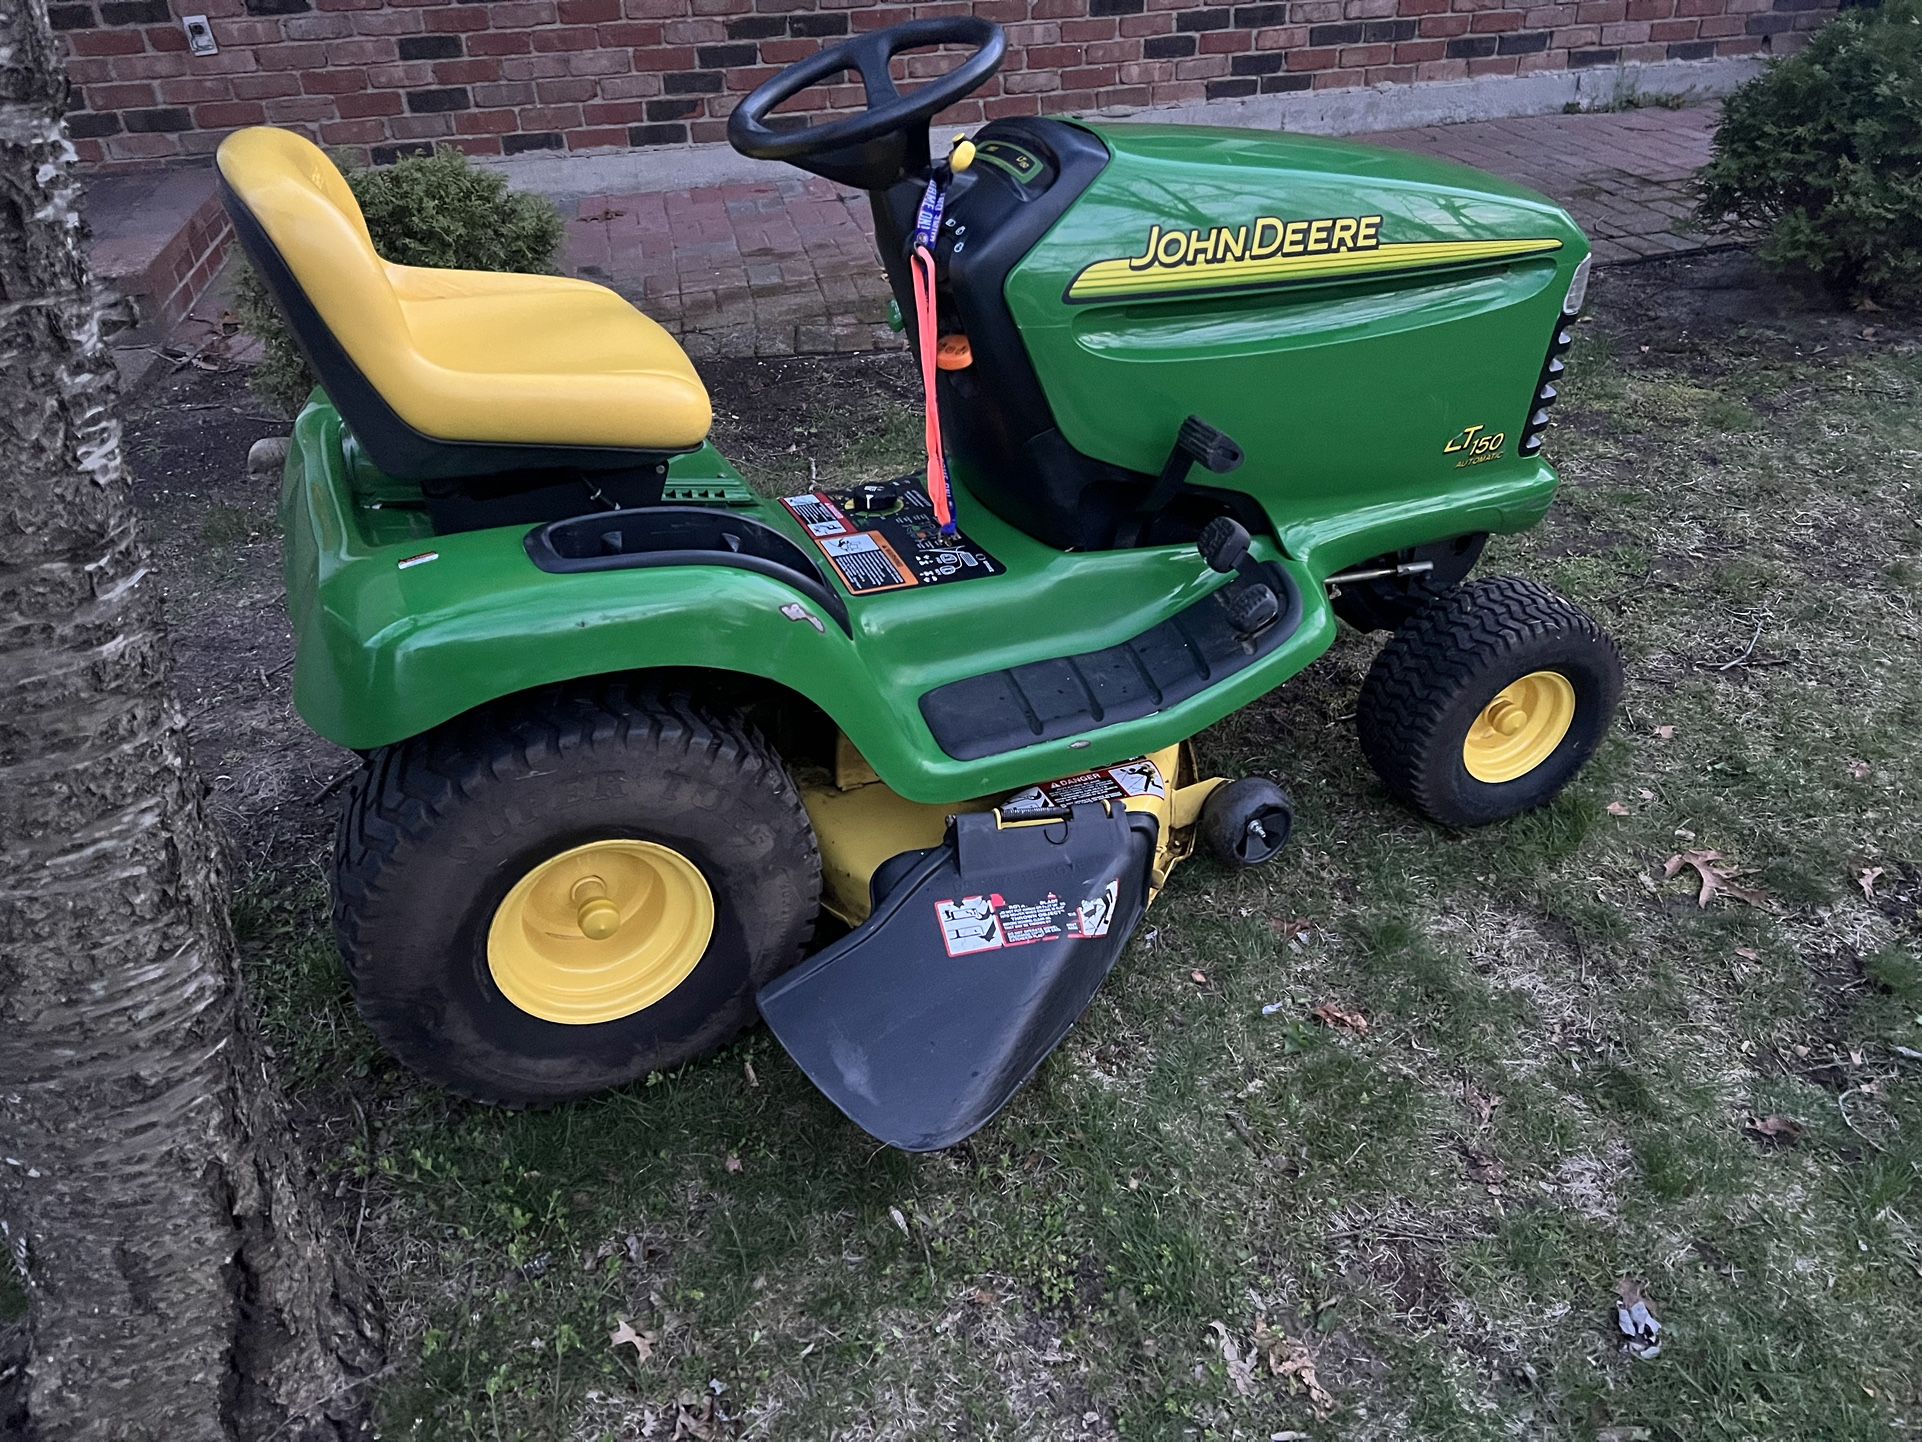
180,1282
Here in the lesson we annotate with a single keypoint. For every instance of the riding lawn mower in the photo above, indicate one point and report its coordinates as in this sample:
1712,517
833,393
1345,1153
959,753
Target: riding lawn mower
632,733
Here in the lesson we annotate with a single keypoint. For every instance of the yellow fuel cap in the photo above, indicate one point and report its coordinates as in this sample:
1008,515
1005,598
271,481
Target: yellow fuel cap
961,156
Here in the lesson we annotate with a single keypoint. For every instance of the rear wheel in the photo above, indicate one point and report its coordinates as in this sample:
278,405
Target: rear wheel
570,890
1488,701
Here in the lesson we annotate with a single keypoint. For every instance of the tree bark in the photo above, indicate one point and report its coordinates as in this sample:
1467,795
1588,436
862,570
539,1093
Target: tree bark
181,1284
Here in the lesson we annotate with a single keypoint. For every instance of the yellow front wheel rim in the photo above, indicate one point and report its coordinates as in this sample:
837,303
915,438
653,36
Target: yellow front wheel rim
600,931
1520,729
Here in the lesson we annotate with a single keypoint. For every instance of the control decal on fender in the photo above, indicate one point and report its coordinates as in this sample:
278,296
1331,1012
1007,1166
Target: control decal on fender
973,924
887,549
1272,250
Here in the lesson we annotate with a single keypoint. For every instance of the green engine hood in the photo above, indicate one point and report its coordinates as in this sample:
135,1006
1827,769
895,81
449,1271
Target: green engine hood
1342,311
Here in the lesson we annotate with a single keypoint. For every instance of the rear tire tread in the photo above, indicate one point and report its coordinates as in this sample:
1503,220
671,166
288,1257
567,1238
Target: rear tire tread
403,790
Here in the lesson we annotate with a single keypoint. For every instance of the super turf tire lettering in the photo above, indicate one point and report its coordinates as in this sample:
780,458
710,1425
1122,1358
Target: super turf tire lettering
437,828
1446,664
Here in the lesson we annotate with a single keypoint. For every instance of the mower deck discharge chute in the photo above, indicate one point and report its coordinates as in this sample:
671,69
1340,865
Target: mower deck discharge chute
630,728
980,937
923,1022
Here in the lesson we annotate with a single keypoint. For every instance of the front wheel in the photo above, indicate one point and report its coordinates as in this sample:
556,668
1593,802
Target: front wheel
1488,701
569,890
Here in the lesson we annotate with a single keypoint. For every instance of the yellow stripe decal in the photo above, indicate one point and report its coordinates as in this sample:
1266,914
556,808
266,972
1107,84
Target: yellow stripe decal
1118,279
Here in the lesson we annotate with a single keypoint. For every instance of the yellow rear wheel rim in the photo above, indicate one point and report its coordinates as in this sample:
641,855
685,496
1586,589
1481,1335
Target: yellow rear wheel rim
1520,729
600,931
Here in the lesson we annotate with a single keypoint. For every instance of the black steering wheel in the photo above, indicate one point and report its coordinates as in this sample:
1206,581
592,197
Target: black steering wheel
883,142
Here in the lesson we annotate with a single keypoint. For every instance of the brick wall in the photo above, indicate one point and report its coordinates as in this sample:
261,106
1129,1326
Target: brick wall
510,76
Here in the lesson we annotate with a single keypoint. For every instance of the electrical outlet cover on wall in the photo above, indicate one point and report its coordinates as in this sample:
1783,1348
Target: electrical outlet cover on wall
200,35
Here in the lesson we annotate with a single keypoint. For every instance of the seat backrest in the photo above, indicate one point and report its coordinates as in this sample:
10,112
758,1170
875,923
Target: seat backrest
302,229
302,206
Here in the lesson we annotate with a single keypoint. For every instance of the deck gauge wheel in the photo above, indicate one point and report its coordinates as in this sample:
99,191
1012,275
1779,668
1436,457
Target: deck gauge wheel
1247,822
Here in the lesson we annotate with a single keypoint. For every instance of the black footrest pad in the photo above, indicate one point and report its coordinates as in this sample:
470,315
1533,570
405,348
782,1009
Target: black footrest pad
1163,666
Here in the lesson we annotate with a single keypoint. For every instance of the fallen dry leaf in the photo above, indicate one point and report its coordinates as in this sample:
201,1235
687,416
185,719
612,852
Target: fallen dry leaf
895,1215
1241,1369
1717,879
1292,1359
747,1071
1328,1014
1482,1105
625,1336
693,1417
1775,1128
1867,879
1615,808
1859,770
1297,931
1748,953
733,1162
1484,1167
1667,733
1199,978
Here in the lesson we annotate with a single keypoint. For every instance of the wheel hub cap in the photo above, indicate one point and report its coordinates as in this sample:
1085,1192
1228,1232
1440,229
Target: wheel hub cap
1520,728
600,931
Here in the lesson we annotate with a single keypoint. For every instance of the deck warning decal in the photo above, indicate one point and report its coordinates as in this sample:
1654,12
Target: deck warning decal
1107,783
973,924
885,538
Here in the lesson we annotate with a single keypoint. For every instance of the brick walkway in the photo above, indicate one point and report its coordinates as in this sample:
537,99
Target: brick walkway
1626,177
789,267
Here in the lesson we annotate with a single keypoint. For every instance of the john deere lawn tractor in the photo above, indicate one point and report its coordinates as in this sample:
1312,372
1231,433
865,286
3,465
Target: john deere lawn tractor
635,736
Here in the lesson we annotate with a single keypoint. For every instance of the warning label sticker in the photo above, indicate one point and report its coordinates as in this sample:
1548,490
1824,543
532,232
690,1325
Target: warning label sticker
820,515
866,563
975,924
887,539
1108,783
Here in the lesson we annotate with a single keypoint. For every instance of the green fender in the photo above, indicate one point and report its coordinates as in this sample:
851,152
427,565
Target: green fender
399,630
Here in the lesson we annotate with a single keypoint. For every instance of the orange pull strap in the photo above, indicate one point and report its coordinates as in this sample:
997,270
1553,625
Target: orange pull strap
922,265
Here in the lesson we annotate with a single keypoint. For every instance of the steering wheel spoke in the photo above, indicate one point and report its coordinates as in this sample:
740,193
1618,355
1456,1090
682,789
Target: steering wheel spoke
872,56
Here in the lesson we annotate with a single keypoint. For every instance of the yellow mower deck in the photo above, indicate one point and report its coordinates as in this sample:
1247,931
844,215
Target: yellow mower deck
860,823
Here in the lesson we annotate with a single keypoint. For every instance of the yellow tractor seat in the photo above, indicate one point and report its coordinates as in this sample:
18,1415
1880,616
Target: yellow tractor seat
447,374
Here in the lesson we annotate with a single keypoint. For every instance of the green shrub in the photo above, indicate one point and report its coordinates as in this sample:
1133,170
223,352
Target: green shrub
1819,158
430,210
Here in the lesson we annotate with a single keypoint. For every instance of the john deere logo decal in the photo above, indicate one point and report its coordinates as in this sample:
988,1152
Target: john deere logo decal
1271,251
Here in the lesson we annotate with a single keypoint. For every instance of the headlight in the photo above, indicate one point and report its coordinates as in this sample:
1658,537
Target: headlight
1577,289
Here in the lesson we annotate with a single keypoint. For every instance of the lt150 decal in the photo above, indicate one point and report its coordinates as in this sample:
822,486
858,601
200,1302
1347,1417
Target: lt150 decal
1271,251
1475,445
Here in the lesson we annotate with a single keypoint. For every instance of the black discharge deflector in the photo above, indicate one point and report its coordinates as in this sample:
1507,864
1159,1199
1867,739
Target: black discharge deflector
884,537
925,1020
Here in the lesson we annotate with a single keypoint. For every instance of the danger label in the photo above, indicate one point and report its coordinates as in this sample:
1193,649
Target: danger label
866,562
1108,783
995,922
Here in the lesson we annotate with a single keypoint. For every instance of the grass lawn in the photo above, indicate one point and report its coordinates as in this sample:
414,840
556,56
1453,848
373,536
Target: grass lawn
1211,1215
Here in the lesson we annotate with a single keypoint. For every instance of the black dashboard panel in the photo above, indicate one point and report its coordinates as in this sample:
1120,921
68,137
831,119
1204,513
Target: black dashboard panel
1000,431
